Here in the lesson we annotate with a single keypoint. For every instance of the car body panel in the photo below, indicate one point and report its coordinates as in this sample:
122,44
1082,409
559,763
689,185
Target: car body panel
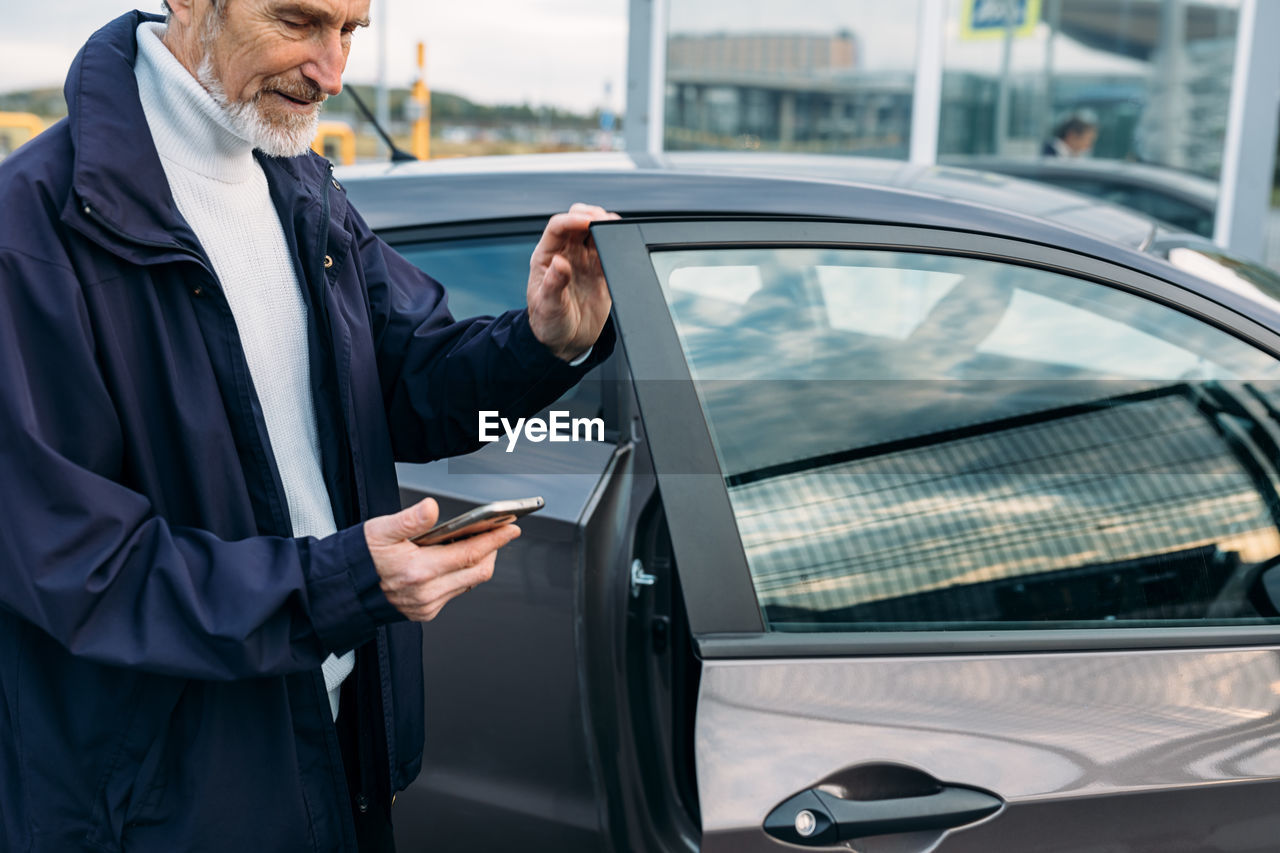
1076,735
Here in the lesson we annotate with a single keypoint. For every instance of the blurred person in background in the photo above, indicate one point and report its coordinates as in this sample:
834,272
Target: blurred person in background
209,366
1074,136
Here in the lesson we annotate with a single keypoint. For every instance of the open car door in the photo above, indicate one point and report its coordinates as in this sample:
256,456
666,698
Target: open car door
975,536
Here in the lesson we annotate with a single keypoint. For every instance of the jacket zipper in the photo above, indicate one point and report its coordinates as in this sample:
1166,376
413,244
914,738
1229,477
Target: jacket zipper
323,279
384,675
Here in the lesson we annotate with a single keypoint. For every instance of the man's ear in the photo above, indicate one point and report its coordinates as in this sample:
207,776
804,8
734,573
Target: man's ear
183,11
183,34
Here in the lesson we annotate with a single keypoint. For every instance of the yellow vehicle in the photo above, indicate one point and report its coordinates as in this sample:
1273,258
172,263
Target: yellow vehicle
17,128
337,141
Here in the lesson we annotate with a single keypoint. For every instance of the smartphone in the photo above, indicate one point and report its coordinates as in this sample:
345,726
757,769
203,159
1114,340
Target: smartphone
480,519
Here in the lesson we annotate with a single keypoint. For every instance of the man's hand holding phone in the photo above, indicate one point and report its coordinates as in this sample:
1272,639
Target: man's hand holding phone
419,580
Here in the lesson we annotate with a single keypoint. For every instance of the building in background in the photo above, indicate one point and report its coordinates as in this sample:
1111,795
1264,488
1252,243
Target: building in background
1157,73
842,77
783,91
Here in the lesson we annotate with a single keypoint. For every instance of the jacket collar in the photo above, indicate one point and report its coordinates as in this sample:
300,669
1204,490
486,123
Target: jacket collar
118,187
120,196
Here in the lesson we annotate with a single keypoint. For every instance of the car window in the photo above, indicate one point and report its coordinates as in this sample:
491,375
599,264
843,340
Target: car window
486,276
912,440
1166,208
1158,205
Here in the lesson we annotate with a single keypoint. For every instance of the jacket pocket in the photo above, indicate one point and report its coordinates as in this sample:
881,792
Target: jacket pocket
137,774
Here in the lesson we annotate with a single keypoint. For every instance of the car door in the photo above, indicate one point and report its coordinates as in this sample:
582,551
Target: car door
515,636
975,538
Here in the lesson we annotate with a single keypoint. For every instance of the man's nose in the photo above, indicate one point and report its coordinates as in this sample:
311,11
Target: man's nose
326,66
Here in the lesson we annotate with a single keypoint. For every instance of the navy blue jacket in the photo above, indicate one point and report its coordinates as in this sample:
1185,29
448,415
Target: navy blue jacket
160,630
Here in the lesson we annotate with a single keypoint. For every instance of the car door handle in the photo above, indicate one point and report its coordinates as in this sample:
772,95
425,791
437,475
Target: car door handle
818,818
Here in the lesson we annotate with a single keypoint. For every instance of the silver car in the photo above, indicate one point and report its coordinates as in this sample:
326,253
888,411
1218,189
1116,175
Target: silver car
918,524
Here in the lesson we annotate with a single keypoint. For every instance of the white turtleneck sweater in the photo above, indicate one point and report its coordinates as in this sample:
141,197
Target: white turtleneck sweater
222,192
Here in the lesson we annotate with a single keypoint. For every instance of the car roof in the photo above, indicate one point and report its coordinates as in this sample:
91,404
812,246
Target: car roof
455,191
751,184
1194,189
1084,213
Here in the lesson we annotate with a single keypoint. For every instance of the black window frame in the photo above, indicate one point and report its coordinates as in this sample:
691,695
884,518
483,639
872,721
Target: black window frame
723,610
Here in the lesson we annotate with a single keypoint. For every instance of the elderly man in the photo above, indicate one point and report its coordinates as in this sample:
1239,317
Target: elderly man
208,367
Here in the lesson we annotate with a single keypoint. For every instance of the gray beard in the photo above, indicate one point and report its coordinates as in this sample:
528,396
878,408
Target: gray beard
287,138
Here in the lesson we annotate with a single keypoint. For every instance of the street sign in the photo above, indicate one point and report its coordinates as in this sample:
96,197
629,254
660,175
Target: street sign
989,19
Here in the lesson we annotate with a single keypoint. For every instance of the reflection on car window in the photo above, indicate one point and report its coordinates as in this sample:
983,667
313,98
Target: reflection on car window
1040,328
881,300
919,441
725,284
487,276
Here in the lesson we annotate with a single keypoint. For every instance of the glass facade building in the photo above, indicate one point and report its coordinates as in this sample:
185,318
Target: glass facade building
1153,79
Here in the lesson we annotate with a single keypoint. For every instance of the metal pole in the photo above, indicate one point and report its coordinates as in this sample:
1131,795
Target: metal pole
422,110
926,102
1054,18
1168,147
1248,156
1002,94
646,76
383,103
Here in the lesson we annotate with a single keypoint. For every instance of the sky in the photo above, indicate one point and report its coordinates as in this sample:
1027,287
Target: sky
555,52
558,52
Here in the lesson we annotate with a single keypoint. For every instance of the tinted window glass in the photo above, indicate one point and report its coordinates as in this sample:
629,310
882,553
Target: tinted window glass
1167,208
486,276
916,441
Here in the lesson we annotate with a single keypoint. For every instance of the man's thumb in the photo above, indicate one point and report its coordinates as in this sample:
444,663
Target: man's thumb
408,523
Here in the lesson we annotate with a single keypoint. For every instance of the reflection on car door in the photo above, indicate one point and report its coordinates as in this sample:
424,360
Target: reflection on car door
976,538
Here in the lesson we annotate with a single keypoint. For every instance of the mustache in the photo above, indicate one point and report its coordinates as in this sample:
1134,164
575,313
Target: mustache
303,89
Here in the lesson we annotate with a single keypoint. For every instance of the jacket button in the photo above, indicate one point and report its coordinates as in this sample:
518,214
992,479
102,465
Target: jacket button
362,803
336,185
328,261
